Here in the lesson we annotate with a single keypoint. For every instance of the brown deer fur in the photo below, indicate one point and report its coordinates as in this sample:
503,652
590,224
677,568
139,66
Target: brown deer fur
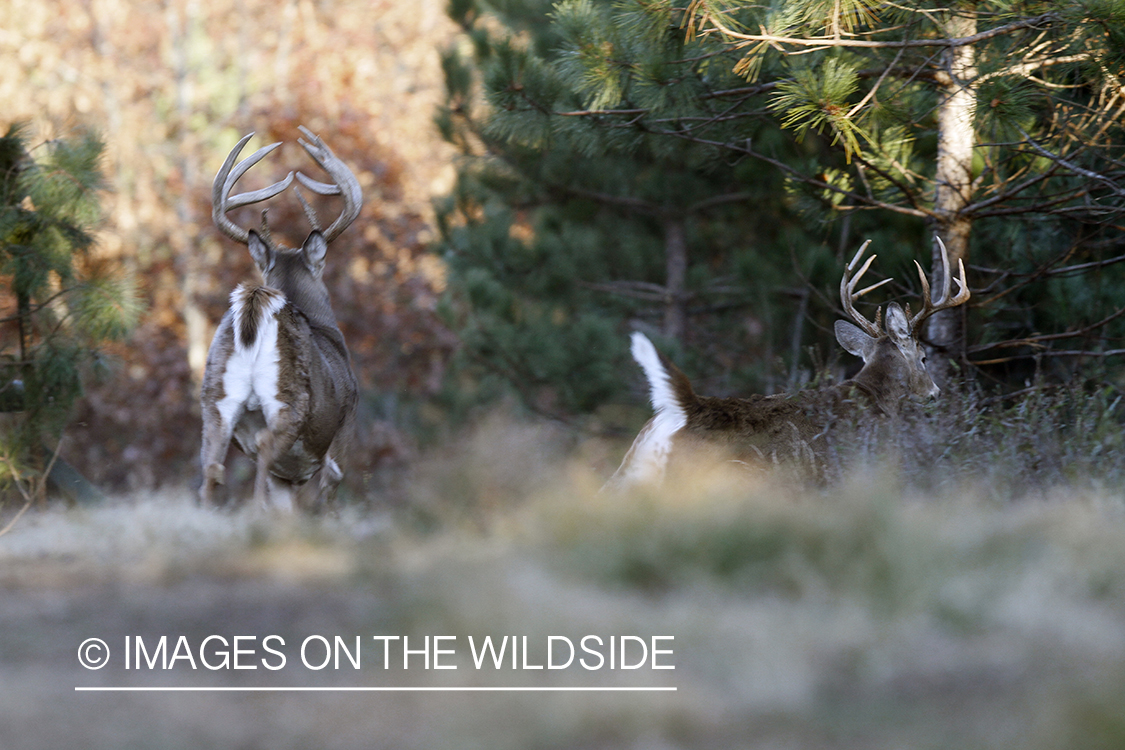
786,427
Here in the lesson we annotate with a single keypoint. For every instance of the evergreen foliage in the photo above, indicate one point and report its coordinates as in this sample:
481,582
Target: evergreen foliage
798,126
60,300
561,234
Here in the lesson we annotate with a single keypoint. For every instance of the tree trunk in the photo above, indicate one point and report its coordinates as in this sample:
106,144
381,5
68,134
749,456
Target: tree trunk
954,180
675,294
186,251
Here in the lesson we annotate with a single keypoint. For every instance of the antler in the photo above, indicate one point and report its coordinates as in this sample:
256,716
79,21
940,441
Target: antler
222,201
929,307
848,294
344,184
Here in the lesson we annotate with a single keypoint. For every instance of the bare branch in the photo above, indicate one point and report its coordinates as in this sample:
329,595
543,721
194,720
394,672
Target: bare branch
1025,69
1065,271
642,290
1038,340
800,176
908,44
10,524
1071,166
1050,353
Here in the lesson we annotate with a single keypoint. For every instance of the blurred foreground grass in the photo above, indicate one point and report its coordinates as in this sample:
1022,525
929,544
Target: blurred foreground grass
870,614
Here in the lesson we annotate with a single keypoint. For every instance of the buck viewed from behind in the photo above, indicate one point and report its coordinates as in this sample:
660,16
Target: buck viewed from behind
278,377
771,429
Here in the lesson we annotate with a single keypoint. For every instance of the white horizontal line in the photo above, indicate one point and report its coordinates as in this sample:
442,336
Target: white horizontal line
378,689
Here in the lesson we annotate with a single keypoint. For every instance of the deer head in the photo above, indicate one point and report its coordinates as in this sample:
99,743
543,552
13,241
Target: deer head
894,359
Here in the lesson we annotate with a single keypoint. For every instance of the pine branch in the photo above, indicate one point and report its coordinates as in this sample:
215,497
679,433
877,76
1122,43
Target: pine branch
36,308
641,290
718,200
1006,195
1025,69
799,176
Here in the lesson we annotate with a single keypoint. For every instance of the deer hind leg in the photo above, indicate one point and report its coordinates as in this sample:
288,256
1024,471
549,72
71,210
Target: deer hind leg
269,491
281,494
274,441
330,476
308,496
216,439
319,492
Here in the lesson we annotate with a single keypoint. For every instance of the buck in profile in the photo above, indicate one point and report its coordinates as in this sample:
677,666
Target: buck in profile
790,426
278,377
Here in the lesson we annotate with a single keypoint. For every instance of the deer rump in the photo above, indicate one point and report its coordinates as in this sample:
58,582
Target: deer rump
268,377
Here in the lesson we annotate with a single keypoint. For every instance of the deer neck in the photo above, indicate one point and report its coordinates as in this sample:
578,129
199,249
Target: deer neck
312,302
290,273
874,388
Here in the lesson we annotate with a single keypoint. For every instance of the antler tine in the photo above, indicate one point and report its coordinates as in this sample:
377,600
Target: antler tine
848,295
929,307
925,282
309,213
873,287
257,196
320,188
858,254
345,183
228,175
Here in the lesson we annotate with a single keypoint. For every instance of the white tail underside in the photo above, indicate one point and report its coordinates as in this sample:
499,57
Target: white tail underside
648,457
251,373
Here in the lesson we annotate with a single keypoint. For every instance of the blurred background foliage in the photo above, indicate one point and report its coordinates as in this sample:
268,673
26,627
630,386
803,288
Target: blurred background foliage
594,168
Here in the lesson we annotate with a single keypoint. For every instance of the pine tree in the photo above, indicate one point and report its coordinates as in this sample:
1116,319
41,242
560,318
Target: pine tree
60,301
953,114
562,233
997,121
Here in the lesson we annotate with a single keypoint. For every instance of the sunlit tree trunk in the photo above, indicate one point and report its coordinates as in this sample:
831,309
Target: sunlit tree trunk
954,179
181,23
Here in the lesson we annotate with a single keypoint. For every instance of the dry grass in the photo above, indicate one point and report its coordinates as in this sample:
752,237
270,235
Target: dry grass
867,615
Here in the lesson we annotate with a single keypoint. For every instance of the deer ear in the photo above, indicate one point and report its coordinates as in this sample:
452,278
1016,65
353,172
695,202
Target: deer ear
898,327
260,252
854,340
315,249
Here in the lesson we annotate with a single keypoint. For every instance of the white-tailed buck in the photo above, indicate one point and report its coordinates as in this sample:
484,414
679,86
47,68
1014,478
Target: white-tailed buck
790,426
279,378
